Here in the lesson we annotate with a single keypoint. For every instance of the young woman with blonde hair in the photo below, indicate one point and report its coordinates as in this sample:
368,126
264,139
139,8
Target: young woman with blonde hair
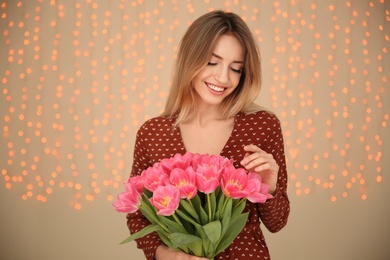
211,110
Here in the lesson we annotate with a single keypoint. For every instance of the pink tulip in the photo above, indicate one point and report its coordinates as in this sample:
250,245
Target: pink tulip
177,161
233,183
208,177
196,159
185,181
166,199
258,191
215,160
154,177
183,161
137,181
128,201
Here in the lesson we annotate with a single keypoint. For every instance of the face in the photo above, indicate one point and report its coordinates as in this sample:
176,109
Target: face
222,74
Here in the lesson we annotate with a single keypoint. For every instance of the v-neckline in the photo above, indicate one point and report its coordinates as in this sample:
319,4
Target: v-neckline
224,146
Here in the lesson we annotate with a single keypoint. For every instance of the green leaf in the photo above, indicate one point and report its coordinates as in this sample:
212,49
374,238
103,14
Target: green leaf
196,248
180,239
200,231
190,209
210,251
147,192
221,201
188,243
148,211
235,228
184,216
226,217
172,225
143,232
213,231
149,214
197,203
204,219
218,192
188,226
217,216
198,227
164,237
238,208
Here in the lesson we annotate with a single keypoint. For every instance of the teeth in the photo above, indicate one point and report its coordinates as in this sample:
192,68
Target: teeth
215,88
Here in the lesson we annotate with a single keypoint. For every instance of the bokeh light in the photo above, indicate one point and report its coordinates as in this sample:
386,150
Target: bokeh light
79,77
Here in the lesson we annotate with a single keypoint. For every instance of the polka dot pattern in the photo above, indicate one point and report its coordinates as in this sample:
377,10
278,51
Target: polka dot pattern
158,139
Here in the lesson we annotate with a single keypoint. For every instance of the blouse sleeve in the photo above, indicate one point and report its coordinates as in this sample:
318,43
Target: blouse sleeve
274,213
136,221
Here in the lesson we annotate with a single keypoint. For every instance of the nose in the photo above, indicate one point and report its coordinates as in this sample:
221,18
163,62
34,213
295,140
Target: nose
222,75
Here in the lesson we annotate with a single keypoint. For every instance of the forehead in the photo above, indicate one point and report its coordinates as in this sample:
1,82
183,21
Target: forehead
229,47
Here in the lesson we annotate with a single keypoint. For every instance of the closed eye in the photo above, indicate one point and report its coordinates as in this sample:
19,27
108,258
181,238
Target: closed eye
233,69
236,70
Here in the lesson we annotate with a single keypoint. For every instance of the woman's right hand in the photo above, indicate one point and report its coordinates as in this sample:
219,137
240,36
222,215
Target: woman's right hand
166,253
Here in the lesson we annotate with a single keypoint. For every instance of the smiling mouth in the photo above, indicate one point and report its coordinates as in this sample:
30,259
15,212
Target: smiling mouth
215,88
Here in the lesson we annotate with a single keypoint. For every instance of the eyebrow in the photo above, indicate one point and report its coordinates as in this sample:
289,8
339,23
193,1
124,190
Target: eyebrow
219,57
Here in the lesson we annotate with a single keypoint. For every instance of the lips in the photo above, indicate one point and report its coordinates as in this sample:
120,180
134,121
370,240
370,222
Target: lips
215,89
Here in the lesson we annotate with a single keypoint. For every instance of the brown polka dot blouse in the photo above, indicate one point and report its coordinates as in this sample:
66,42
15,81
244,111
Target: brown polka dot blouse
157,139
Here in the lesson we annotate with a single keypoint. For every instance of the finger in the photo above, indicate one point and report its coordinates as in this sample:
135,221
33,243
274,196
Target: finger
263,167
262,163
255,163
254,156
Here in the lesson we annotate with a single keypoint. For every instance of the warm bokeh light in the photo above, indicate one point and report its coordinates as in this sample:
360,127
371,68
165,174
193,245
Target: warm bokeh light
79,77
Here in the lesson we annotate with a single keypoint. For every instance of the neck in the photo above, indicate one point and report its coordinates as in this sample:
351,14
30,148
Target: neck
206,114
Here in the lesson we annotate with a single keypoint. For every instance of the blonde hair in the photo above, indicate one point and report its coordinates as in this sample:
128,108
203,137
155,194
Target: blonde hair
194,53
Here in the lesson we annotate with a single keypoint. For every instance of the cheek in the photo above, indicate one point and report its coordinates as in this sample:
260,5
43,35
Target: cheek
197,80
196,84
196,89
235,79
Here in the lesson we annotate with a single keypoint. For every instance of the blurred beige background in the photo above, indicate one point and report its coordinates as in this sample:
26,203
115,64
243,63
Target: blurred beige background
79,77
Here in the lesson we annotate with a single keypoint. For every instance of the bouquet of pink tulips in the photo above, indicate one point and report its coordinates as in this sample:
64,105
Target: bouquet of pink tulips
194,202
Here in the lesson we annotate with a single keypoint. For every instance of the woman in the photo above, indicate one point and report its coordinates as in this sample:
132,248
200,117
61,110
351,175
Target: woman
210,110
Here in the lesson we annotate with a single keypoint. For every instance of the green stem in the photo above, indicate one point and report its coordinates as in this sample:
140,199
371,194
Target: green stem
224,204
209,206
145,197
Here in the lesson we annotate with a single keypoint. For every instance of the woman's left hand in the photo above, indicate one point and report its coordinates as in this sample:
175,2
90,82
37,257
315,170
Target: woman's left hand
257,160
